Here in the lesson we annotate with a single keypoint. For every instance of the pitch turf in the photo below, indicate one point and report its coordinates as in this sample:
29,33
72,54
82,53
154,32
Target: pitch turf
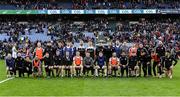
90,86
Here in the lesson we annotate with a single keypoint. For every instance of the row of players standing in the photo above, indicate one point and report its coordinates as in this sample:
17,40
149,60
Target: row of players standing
131,59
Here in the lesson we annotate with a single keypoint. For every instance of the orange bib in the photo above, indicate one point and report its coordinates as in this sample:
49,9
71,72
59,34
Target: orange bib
36,64
39,53
78,61
114,61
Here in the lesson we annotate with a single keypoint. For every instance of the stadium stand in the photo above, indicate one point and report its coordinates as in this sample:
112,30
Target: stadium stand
89,4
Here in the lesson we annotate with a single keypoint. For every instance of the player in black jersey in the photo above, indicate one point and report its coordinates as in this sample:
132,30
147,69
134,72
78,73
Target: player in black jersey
99,48
168,63
108,50
68,64
48,62
149,67
81,48
91,49
28,66
139,57
133,66
124,64
144,61
19,64
58,64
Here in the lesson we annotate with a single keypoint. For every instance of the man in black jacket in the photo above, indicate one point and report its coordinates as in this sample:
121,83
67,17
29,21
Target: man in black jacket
144,61
28,66
48,65
168,63
19,64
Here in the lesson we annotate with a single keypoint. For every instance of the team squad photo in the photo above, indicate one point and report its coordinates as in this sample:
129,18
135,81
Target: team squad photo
59,59
89,48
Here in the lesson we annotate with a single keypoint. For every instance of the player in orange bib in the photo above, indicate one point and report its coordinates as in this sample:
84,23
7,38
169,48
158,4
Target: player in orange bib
36,67
113,64
38,51
133,51
77,64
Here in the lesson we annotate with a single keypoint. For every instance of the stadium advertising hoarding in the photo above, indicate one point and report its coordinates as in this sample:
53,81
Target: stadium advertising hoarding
98,11
20,11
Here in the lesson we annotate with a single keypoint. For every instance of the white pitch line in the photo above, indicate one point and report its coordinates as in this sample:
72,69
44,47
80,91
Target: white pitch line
6,80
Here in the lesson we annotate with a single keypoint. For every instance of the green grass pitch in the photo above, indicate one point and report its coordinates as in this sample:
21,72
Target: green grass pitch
90,86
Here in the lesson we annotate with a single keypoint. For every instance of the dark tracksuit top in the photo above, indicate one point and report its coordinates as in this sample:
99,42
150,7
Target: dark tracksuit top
168,61
123,60
10,63
160,50
108,52
58,60
48,61
99,49
51,51
28,65
67,61
82,51
100,61
19,63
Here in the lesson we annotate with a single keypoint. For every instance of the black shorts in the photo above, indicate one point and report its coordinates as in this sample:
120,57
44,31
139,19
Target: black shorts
35,70
168,67
131,66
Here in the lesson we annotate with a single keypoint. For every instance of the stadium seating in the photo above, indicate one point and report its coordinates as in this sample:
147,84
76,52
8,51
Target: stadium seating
91,5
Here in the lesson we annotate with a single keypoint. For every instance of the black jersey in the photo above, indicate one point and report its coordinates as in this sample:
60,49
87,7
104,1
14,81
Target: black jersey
133,60
67,61
99,49
145,57
28,64
51,51
91,50
47,61
168,61
160,50
19,62
82,51
123,60
108,52
139,51
57,60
